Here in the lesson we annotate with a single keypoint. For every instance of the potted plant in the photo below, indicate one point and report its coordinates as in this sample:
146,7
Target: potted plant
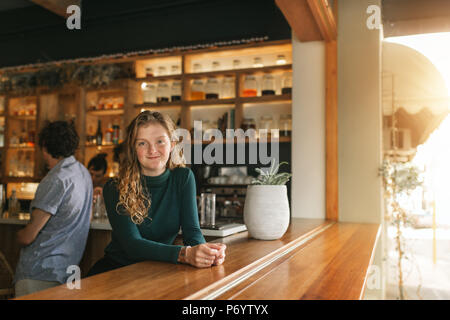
266,208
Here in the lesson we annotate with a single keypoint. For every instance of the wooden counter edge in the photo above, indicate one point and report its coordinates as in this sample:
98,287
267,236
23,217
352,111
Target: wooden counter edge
372,256
217,288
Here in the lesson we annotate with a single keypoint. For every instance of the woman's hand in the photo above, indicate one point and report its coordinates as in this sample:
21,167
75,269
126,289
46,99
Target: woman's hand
205,255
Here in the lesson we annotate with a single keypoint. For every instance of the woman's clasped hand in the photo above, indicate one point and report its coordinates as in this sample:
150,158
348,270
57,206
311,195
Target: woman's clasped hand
204,255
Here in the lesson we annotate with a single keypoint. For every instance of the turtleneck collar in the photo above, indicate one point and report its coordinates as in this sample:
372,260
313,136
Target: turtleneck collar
157,180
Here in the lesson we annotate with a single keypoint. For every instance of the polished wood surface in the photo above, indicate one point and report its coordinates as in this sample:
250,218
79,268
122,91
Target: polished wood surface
333,266
332,168
158,280
314,259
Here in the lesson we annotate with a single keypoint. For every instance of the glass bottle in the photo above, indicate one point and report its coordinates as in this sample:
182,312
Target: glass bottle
257,62
175,91
228,89
286,83
99,134
149,92
109,134
285,125
212,88
268,85
162,92
14,140
250,86
13,204
197,90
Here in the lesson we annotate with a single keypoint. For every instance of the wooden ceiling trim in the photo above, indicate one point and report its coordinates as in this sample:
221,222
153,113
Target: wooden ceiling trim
58,7
299,16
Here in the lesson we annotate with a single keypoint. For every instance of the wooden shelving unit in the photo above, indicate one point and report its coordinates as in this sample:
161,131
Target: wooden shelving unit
80,104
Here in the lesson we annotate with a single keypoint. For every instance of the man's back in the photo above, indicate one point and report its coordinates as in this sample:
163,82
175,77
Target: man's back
66,194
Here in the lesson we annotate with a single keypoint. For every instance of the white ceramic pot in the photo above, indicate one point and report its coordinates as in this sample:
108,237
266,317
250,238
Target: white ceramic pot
266,211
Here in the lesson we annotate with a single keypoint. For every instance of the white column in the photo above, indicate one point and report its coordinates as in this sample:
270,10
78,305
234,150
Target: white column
308,129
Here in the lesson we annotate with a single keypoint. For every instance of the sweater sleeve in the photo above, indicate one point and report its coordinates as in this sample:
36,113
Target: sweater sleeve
190,225
127,234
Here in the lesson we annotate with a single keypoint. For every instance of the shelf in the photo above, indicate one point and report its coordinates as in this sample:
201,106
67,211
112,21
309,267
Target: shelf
233,72
207,102
20,148
269,98
247,140
108,112
11,117
160,78
103,146
8,179
159,105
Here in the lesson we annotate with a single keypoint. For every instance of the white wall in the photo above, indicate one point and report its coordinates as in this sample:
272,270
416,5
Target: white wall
359,114
308,129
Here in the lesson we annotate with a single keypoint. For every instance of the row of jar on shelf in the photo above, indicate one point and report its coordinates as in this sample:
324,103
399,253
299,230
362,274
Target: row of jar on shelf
266,122
104,103
235,63
23,110
215,89
21,164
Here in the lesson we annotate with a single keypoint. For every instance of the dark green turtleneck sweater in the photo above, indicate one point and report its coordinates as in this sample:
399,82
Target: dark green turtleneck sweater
173,205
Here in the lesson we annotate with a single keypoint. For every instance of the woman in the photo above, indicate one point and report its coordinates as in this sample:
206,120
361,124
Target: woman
152,198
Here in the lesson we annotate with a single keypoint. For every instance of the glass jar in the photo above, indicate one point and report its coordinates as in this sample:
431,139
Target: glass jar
281,59
197,67
175,69
268,85
212,88
228,89
285,125
286,83
265,123
149,92
149,72
197,90
215,66
257,62
162,92
249,123
175,91
162,71
250,86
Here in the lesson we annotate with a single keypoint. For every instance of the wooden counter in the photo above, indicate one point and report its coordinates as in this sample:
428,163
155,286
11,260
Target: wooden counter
315,259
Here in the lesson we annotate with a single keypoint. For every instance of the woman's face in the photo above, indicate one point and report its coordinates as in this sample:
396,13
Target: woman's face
153,147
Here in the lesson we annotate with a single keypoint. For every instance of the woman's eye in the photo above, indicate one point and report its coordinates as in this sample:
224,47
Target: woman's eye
161,141
141,144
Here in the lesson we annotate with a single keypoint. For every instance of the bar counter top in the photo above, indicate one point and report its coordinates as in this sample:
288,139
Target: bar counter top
315,259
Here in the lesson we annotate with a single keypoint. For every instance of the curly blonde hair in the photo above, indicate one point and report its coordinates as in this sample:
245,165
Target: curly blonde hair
134,198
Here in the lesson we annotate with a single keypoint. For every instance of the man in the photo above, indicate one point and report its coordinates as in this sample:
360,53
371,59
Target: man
56,235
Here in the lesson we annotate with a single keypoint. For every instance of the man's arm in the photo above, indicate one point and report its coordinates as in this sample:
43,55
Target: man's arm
38,220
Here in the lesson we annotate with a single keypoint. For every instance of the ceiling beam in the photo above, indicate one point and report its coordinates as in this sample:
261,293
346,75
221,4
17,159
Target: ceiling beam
300,18
324,17
58,7
311,20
